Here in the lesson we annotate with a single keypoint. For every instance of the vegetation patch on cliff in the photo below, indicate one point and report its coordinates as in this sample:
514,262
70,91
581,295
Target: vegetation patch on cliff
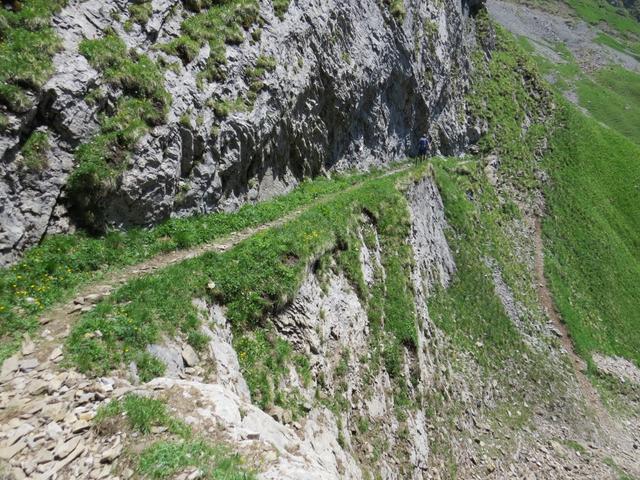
143,105
34,152
28,43
218,24
469,311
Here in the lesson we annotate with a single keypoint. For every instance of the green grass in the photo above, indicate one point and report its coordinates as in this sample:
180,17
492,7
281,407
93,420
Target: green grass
218,24
602,12
592,235
103,158
34,152
166,459
266,360
256,278
140,12
51,271
576,446
28,43
137,75
612,96
564,74
224,108
140,414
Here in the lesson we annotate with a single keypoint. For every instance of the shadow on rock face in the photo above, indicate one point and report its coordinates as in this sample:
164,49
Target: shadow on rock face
473,6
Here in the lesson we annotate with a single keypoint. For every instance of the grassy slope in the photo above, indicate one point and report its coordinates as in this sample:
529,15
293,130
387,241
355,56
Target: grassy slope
612,96
593,222
593,249
599,12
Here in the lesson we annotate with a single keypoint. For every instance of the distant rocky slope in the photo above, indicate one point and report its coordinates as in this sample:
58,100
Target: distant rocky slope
142,111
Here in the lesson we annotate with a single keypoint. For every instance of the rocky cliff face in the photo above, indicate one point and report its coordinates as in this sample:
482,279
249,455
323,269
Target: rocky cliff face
320,85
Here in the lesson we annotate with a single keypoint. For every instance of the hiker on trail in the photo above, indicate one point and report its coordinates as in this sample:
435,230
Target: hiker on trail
423,148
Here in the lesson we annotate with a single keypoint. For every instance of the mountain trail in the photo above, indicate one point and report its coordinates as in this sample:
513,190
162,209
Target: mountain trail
58,320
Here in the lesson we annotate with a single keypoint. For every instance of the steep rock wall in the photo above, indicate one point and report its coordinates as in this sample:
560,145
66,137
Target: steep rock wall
353,86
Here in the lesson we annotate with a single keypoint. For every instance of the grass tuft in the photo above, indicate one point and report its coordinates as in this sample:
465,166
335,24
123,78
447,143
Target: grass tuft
34,152
28,43
397,9
165,459
140,12
281,7
140,414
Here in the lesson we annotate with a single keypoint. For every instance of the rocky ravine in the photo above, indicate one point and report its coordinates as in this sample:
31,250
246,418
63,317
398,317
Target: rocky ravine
353,86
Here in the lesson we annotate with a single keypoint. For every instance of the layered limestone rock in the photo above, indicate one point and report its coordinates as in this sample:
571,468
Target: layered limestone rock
353,86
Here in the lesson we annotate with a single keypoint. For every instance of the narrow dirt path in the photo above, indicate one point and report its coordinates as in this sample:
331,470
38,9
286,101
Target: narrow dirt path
548,304
58,320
